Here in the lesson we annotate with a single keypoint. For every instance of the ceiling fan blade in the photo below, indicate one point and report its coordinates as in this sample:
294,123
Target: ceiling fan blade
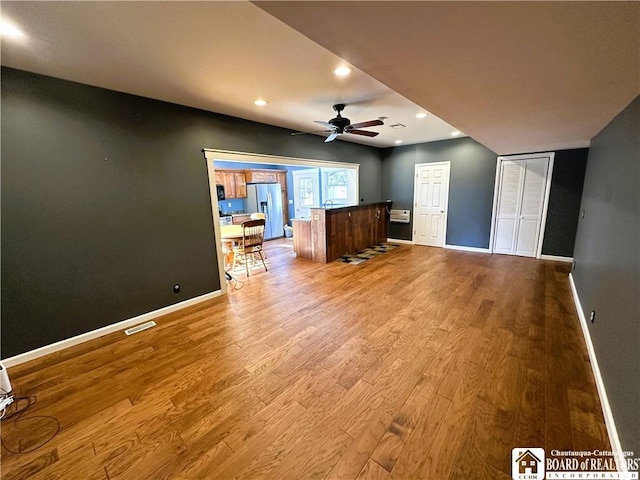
314,131
331,137
325,124
366,133
370,123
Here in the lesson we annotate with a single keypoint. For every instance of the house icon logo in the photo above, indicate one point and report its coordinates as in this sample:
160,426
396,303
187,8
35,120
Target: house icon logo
527,464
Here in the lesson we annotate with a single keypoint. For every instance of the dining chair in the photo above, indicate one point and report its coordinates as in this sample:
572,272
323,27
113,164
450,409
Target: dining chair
258,216
251,243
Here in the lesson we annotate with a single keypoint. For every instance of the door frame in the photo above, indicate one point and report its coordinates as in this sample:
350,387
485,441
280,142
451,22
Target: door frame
211,155
415,199
545,205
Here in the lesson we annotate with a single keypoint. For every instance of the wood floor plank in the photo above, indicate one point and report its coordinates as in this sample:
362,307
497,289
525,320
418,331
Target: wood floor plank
422,439
440,459
246,445
471,456
359,451
420,363
403,423
371,471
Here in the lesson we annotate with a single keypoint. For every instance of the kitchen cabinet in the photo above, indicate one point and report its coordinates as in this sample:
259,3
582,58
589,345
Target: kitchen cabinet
241,184
218,178
234,181
302,245
281,178
261,176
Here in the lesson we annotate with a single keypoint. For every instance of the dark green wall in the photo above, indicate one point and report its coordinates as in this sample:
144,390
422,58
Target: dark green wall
607,273
87,242
564,202
471,185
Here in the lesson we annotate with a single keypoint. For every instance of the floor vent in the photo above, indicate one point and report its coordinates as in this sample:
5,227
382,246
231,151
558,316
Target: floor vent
139,328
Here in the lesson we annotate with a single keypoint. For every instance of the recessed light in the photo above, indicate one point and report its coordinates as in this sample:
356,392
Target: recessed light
455,133
421,115
261,102
342,71
8,30
398,142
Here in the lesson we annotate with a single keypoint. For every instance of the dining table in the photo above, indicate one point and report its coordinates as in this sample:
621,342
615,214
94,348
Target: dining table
229,234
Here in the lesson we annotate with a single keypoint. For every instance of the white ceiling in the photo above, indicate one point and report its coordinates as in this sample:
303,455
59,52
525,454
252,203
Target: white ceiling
516,76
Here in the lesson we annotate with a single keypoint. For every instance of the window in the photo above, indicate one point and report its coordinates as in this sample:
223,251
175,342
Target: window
306,192
339,186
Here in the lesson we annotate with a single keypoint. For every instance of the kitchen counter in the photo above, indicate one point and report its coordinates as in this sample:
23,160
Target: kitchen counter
332,232
302,238
352,207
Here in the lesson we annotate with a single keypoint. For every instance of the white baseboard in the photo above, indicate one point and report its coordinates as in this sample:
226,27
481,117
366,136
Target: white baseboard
397,240
467,249
616,447
555,258
85,337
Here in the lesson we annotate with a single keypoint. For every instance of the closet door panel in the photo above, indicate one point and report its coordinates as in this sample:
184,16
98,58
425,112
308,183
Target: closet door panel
535,178
511,176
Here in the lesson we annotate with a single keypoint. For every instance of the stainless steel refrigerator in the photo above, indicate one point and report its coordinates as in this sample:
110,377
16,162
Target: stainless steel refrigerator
267,198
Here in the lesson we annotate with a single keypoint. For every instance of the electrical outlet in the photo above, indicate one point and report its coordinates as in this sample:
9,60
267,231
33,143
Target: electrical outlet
176,288
593,316
290,202
229,204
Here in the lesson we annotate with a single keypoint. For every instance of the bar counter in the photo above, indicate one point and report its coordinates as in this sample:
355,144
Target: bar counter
336,231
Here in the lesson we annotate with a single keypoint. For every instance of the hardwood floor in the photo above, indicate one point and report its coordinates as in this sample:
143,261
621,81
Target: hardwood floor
421,363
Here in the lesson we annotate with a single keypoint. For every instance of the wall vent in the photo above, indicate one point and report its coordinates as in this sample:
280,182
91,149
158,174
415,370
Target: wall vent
400,216
139,328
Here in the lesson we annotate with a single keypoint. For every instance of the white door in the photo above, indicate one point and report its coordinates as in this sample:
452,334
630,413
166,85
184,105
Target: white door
306,191
430,204
521,196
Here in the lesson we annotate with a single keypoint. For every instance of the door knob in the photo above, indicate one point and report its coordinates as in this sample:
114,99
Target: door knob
441,211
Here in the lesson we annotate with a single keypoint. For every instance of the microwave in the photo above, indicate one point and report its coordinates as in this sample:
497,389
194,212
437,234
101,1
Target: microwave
220,192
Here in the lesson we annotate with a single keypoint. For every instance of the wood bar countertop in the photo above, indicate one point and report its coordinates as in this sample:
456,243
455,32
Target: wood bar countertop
332,232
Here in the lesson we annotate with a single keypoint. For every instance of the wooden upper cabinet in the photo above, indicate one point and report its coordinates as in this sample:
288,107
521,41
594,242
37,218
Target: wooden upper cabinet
281,178
218,178
229,183
241,184
235,184
261,176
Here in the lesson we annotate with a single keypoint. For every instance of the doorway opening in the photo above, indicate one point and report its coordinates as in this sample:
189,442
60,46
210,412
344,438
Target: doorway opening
244,162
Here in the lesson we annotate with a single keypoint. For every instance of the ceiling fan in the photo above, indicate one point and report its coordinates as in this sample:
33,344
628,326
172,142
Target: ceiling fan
339,125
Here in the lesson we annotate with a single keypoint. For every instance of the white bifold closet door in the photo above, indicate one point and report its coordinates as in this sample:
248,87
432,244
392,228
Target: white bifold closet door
520,203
